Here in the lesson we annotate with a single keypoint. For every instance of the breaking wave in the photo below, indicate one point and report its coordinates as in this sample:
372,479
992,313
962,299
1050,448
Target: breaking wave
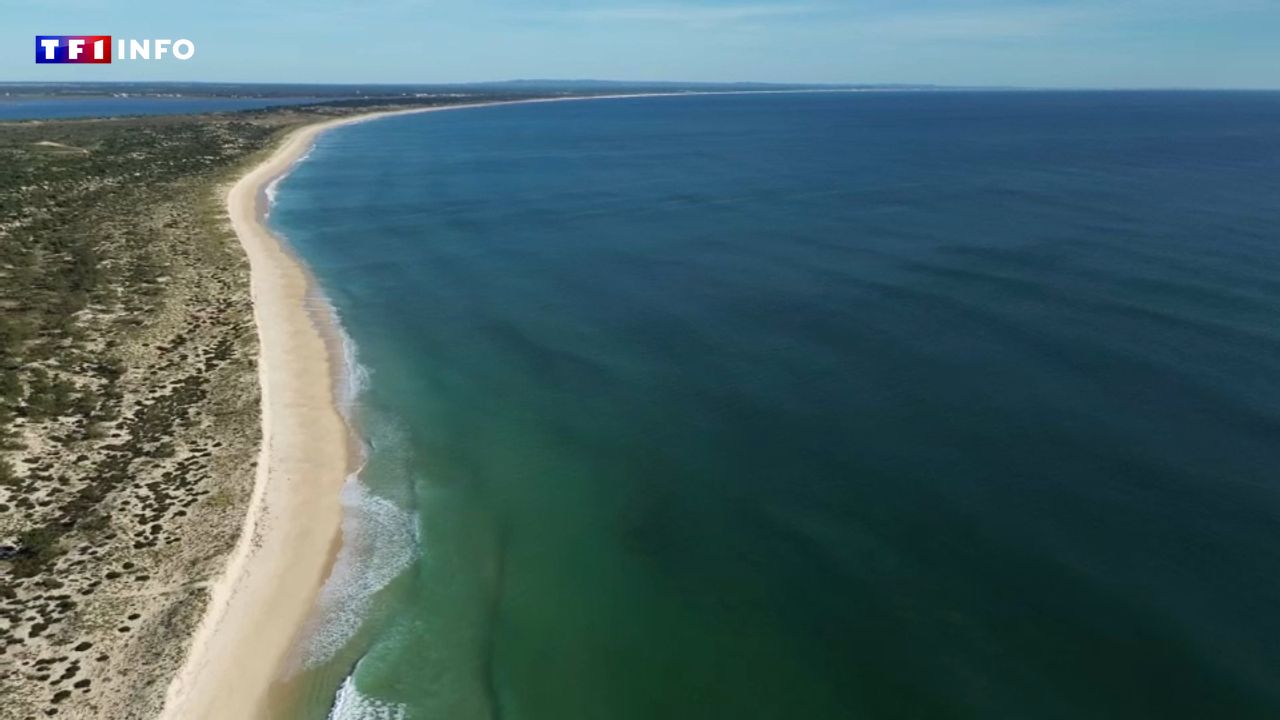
379,542
351,704
379,537
273,187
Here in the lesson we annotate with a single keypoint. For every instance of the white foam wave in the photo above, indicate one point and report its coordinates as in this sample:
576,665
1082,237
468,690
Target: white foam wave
355,377
351,704
379,537
270,191
273,187
379,541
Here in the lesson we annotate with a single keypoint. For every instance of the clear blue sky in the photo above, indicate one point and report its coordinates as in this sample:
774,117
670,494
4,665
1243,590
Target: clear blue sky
1093,43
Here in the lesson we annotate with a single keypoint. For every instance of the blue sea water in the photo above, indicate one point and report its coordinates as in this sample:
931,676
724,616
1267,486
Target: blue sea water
50,108
919,405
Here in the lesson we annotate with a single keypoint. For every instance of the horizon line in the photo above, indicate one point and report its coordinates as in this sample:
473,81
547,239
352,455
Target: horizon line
721,83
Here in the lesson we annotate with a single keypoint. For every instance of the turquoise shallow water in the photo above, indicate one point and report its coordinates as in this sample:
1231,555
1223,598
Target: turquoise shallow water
945,405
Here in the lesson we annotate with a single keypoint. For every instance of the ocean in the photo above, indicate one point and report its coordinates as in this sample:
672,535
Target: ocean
870,405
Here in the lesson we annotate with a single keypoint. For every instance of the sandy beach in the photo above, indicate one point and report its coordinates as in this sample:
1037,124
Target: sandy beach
292,527
292,530
283,552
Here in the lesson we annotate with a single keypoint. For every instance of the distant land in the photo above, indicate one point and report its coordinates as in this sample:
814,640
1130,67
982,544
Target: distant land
31,101
265,90
314,92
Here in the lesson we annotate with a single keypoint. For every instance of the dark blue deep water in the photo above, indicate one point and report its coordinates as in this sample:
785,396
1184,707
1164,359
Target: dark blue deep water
944,405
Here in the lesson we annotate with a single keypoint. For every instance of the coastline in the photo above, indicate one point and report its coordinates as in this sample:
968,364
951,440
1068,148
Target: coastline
288,532
292,528
801,522
291,531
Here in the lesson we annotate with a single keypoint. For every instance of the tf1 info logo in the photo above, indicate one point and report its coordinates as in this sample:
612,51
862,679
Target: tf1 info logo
96,49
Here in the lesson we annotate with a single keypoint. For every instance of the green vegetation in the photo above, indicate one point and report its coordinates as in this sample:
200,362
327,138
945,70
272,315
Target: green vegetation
76,240
35,548
128,390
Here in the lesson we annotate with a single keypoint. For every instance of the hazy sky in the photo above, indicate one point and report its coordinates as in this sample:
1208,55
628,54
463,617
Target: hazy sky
1095,43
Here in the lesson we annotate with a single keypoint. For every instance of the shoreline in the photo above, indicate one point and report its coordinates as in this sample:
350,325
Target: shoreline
287,536
292,528
291,531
